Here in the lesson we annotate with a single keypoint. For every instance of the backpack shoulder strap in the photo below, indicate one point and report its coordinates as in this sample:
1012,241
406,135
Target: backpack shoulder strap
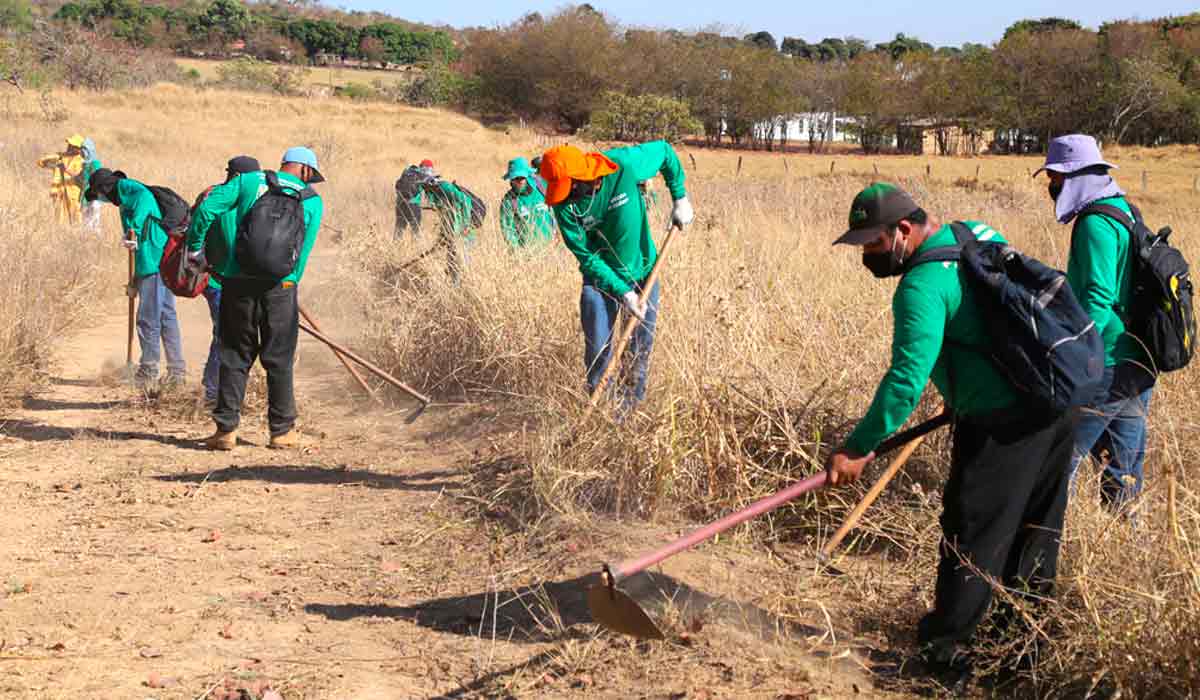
948,253
272,180
1112,212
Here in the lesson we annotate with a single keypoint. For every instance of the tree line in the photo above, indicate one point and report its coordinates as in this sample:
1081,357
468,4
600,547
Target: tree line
1135,82
272,31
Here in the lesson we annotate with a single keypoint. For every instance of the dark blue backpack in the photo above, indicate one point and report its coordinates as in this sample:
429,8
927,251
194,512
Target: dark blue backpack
1042,339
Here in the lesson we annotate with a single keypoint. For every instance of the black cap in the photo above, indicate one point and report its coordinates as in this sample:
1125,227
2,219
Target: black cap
242,164
102,182
874,209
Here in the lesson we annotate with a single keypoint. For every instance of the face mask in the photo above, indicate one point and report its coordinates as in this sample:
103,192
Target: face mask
580,190
886,264
1055,189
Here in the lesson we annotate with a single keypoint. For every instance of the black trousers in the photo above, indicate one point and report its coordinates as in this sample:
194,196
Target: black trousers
1002,518
259,320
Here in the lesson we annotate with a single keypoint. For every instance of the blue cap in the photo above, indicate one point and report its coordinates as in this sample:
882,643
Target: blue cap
304,156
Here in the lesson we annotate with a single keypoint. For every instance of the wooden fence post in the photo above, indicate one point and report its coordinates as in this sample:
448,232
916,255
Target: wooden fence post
739,166
693,159
786,169
831,164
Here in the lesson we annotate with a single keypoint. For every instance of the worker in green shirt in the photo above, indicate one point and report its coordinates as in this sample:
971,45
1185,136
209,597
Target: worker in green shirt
1004,501
1100,272
525,218
214,254
157,322
259,316
456,229
602,217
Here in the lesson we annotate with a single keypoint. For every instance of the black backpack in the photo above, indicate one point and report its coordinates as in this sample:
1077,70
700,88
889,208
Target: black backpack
1042,340
1161,317
271,235
478,208
410,182
176,213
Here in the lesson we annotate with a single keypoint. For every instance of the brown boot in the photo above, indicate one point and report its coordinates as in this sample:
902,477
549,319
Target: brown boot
290,439
221,440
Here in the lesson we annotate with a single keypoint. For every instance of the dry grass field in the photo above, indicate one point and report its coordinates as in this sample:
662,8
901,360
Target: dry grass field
330,76
770,344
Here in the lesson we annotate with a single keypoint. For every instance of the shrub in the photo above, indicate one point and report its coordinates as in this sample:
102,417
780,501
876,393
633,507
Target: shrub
439,85
250,74
641,118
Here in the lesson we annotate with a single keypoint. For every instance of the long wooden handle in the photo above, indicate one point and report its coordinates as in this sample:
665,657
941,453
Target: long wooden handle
633,566
614,358
129,339
337,353
367,364
876,489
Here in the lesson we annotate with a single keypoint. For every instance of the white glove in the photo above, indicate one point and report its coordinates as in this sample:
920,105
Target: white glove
634,305
681,213
129,244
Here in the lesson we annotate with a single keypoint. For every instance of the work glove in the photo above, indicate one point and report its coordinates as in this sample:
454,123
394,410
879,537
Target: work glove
129,244
131,290
681,213
196,262
634,305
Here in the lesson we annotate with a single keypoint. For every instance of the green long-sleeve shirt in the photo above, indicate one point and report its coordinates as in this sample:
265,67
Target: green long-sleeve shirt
1100,272
525,219
140,214
453,208
609,232
939,333
237,196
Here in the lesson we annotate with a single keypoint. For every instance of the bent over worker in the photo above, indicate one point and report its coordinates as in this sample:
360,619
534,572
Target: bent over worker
157,321
259,317
1004,501
603,221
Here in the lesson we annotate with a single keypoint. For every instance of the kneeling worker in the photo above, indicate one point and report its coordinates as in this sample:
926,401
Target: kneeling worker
259,314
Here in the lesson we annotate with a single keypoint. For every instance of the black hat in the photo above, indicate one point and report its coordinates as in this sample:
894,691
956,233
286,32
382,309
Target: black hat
876,208
241,165
103,182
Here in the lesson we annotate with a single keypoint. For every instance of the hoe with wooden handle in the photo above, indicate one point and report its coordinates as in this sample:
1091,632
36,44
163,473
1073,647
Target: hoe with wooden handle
618,612
876,489
614,358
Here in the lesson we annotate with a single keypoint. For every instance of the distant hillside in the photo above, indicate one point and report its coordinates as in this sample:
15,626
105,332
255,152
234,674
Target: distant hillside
273,31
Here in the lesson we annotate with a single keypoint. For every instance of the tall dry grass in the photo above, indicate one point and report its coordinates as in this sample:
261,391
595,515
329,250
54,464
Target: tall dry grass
51,274
771,343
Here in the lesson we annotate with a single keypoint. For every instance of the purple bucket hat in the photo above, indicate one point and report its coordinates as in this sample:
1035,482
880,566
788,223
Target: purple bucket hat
1072,153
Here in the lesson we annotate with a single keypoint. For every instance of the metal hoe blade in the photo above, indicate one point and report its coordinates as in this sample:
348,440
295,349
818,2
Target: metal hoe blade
617,611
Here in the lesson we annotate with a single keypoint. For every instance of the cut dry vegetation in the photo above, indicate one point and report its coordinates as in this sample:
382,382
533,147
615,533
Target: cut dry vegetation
447,559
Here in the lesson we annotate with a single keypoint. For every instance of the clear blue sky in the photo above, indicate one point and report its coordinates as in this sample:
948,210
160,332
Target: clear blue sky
939,22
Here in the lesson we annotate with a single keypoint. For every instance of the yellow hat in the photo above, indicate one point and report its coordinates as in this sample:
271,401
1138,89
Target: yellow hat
75,140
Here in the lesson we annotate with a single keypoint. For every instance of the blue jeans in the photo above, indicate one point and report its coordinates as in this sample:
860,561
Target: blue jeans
598,313
1116,422
212,366
156,322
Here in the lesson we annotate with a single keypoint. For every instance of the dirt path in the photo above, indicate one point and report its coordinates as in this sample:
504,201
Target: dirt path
137,566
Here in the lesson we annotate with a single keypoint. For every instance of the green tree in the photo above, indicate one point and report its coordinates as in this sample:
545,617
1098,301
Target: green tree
762,40
226,20
1045,24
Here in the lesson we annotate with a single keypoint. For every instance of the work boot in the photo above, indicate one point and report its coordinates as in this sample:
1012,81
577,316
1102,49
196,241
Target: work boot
221,440
290,439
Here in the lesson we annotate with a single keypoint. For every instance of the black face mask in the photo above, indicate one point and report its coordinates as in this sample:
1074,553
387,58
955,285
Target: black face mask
886,264
1055,189
580,189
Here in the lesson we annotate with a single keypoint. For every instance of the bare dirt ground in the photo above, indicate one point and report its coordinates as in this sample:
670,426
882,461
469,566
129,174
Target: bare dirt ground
138,566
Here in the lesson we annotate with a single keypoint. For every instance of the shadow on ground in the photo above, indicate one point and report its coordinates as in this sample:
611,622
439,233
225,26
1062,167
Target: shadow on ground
32,431
548,611
432,481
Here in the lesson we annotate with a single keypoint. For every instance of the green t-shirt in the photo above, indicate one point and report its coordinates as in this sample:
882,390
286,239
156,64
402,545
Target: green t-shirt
939,334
